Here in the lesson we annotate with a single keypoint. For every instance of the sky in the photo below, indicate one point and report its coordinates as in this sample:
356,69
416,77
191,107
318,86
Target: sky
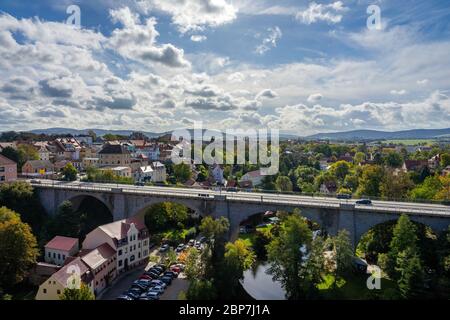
299,66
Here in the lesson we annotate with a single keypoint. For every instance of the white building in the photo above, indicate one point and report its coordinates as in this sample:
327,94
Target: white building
217,174
128,237
156,172
254,177
59,249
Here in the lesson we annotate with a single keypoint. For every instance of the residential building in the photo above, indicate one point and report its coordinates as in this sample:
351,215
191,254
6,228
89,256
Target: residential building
414,165
59,249
67,148
36,168
8,170
102,261
70,275
159,172
129,238
216,173
43,152
90,163
114,154
329,187
434,161
254,176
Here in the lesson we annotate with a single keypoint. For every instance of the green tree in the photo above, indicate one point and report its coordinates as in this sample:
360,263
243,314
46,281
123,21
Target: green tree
18,247
393,159
342,254
201,290
193,269
404,237
427,190
445,160
69,172
238,257
20,197
182,172
395,186
286,258
410,273
370,181
283,183
83,293
359,157
67,222
340,169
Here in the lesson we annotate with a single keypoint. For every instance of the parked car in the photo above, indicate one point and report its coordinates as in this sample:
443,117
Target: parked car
159,289
139,286
146,276
202,239
364,202
171,274
164,248
175,269
155,270
179,265
152,274
134,294
191,242
344,196
153,295
180,247
146,298
158,283
140,184
124,297
198,246
159,268
166,279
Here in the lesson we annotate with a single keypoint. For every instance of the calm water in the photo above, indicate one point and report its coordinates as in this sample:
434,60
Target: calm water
260,285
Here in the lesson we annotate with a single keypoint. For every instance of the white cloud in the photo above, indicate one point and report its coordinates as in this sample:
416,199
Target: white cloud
195,15
137,41
266,93
330,13
198,38
398,92
313,98
270,41
422,82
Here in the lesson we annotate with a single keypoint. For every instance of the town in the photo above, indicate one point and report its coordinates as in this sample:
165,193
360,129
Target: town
139,257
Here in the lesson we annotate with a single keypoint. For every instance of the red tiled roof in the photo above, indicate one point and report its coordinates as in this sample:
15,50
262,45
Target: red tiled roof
4,160
61,243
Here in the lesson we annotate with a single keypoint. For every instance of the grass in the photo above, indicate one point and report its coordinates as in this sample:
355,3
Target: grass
352,288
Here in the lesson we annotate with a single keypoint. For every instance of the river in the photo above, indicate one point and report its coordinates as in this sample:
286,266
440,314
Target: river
259,285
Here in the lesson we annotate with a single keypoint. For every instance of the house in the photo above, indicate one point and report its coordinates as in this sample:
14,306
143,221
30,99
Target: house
4,145
59,249
8,170
434,161
446,171
159,172
128,237
103,265
114,154
43,152
36,168
414,165
124,172
329,187
67,148
71,275
216,173
254,177
90,163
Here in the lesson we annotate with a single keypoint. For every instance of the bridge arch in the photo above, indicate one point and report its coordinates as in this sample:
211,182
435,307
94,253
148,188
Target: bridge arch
78,199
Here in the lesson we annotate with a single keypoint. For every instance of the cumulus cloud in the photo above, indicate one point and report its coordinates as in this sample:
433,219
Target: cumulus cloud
267,93
270,41
198,38
330,13
137,41
398,92
316,97
195,15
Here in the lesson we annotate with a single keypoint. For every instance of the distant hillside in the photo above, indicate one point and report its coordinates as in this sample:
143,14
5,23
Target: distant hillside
98,132
382,135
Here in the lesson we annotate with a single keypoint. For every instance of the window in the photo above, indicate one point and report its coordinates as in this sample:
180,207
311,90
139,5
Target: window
131,248
49,254
132,258
64,257
134,247
59,256
139,255
58,291
54,255
44,290
2,169
120,263
120,252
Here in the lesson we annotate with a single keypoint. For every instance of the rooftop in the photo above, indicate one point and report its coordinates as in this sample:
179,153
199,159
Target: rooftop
62,243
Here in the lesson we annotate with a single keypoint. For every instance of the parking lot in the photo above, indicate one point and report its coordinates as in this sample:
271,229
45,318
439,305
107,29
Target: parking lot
126,281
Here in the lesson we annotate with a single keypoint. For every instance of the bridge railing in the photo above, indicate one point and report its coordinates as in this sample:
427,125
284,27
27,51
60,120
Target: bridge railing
253,190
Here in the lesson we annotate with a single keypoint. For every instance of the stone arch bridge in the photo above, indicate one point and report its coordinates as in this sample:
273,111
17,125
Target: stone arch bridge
332,214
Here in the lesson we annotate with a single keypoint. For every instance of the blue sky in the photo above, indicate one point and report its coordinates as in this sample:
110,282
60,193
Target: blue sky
299,66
